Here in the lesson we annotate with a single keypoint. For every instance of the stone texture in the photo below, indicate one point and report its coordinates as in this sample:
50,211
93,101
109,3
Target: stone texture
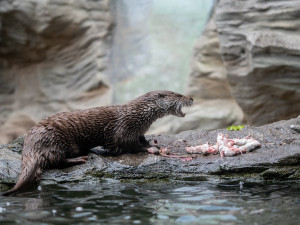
204,114
214,105
207,79
53,57
15,125
10,165
278,158
260,48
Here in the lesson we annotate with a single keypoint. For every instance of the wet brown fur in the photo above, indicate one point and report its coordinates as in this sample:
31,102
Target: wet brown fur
52,142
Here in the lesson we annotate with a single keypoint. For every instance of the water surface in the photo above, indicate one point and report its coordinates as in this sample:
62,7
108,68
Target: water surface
155,202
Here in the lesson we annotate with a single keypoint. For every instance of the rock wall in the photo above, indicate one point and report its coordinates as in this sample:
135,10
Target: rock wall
207,78
53,57
58,55
248,54
214,105
260,49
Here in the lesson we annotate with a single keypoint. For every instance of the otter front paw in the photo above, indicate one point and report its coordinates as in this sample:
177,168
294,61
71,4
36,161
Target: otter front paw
143,141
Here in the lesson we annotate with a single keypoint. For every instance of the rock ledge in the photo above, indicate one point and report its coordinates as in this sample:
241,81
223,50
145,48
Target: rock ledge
278,158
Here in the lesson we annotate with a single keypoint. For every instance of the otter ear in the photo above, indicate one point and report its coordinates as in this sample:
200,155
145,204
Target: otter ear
161,95
161,103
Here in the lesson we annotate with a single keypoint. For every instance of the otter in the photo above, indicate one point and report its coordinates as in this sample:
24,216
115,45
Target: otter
66,138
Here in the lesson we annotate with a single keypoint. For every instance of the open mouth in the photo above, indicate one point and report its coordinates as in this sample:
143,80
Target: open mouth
179,111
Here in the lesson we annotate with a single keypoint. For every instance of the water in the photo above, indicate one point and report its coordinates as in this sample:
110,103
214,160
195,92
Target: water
155,202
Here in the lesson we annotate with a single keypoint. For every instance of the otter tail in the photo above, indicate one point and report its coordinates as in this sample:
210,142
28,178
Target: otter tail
30,175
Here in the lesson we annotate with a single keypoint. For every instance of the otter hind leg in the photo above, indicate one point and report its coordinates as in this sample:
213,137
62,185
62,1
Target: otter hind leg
75,161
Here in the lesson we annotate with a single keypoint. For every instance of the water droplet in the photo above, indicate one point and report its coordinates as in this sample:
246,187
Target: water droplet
127,217
78,208
8,203
54,212
136,221
241,185
39,188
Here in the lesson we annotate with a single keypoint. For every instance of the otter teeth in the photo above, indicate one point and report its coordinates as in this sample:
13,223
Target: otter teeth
180,113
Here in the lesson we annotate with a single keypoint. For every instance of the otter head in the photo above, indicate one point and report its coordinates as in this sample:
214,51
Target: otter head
171,103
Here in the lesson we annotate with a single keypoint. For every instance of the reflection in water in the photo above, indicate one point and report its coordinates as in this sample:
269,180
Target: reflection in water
33,204
114,202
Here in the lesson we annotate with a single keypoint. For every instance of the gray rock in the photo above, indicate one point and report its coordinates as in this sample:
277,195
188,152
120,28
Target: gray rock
53,57
214,105
207,79
204,114
10,165
278,158
260,49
